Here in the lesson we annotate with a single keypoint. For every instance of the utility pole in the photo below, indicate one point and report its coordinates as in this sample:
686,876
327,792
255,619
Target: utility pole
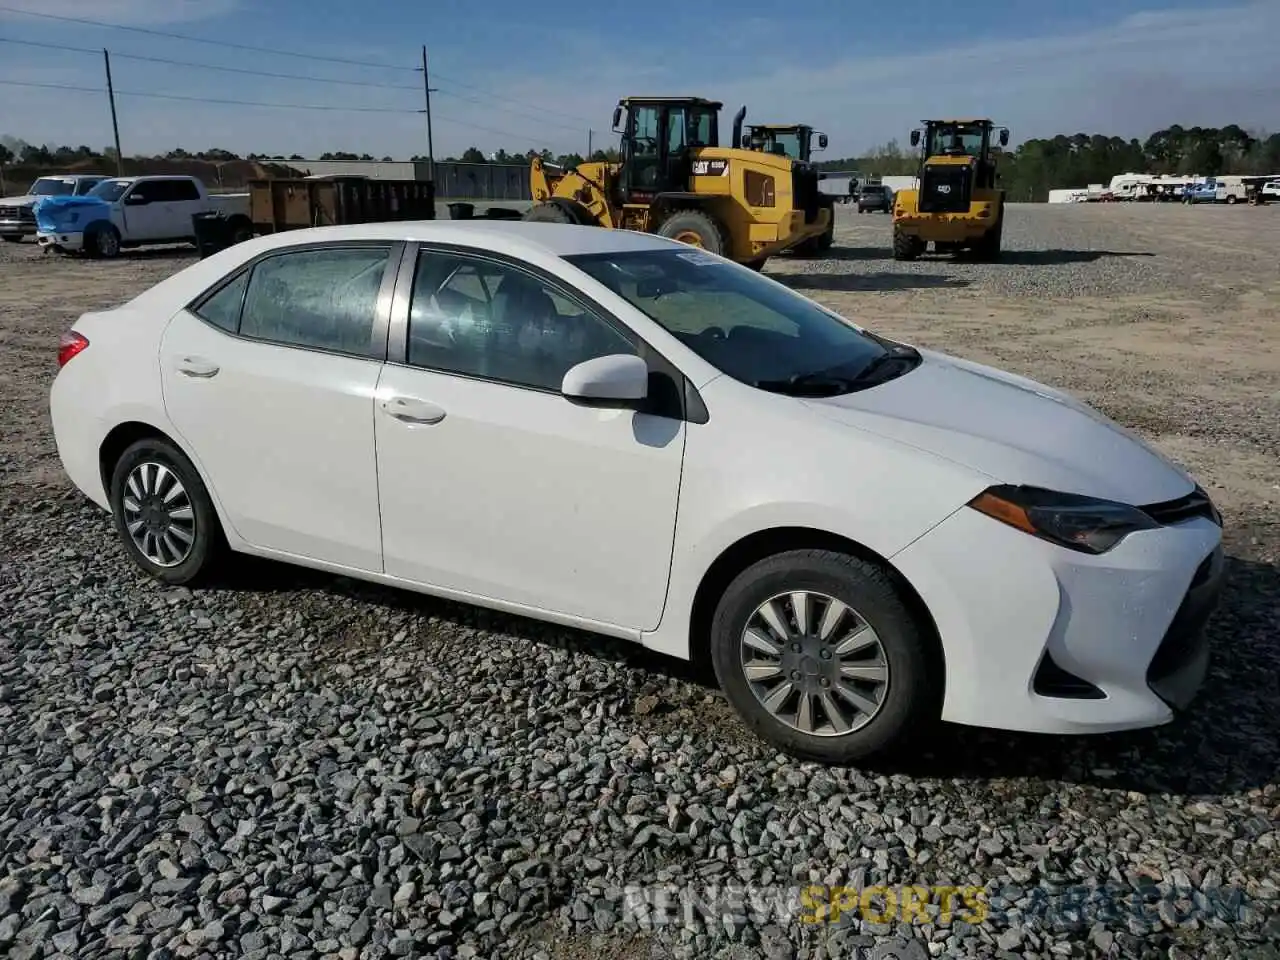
589,132
427,91
115,125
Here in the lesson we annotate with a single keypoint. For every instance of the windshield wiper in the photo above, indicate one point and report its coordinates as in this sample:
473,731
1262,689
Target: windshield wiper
897,353
816,384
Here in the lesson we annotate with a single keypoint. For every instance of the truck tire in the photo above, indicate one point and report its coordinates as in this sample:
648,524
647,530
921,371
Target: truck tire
102,241
10,238
696,228
988,248
239,230
906,246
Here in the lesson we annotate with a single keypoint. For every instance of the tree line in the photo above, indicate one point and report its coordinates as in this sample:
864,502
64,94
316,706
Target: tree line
1034,167
1027,172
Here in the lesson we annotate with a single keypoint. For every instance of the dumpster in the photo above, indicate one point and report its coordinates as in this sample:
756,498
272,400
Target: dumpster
461,211
293,203
212,232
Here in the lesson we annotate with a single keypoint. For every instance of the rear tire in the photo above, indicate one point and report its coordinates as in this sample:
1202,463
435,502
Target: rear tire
696,228
869,675
906,246
163,513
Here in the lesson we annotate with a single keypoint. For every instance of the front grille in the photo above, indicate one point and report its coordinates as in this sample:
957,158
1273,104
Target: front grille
1193,505
804,190
21,214
946,188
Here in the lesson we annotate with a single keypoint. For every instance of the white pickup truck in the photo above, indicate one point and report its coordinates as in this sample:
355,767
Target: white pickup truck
127,212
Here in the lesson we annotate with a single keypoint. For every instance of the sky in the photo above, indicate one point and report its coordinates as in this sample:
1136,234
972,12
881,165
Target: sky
514,74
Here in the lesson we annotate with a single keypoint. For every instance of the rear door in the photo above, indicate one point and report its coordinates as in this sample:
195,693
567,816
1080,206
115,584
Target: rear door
270,381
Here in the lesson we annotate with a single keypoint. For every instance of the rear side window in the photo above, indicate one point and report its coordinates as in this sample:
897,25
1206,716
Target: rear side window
223,308
181,190
326,299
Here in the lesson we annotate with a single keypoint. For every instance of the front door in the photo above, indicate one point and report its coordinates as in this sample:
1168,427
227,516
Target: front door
270,381
146,211
496,486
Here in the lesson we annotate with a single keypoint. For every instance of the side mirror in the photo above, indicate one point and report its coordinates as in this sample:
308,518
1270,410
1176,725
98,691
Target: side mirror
915,138
1004,137
618,379
617,117
822,141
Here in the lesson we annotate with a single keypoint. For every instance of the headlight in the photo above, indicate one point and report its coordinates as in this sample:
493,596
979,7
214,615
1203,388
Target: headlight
1067,519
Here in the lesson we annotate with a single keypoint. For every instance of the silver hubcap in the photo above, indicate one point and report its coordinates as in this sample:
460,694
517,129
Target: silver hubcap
158,514
814,663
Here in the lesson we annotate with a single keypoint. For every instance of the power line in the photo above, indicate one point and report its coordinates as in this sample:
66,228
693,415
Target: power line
285,53
229,102
254,103
190,39
209,66
461,96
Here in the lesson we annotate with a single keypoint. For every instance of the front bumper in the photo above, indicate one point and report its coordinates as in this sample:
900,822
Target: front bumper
61,241
1043,639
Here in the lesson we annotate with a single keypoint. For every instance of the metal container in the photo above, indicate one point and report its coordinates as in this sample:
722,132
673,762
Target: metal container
291,204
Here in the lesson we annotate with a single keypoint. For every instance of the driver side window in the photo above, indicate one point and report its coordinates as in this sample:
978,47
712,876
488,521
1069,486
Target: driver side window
481,318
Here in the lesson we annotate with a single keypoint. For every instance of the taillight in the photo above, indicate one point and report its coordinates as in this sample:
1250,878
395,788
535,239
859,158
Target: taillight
69,344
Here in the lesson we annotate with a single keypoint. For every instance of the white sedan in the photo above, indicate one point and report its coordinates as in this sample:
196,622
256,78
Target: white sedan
623,433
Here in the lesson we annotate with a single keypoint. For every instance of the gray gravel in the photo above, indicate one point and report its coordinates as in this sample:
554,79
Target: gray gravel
296,765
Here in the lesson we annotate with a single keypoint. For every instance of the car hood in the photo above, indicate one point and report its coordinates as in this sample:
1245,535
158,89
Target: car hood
1012,429
16,201
57,213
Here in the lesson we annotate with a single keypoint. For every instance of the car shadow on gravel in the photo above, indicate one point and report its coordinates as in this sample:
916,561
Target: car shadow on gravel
1229,741
1045,258
869,282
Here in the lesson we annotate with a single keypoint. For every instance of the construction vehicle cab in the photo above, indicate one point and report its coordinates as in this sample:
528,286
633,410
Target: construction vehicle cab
956,204
794,140
674,179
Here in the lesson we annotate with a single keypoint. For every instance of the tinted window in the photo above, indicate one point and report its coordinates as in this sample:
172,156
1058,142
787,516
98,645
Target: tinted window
223,308
181,190
485,319
749,326
51,187
110,190
325,298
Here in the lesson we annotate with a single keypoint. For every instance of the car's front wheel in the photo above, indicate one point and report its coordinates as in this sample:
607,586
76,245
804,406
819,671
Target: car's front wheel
163,513
822,656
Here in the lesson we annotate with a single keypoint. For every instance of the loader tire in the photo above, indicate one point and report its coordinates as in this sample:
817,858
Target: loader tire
906,246
554,211
988,248
696,228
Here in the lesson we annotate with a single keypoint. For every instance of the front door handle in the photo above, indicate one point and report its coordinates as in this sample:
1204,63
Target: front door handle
412,410
197,367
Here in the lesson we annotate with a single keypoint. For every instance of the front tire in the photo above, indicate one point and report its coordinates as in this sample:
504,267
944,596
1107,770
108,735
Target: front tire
103,242
905,245
163,513
696,228
821,656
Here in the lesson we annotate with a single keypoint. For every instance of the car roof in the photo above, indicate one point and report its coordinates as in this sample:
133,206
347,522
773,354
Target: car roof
556,239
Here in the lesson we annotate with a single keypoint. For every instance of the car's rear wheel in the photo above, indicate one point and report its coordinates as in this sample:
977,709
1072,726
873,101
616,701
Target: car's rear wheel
823,657
163,513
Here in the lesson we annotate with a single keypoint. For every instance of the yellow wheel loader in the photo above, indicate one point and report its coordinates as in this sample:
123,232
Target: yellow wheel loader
956,206
794,140
675,180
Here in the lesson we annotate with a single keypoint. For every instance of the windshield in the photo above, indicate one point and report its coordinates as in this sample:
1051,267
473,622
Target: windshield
750,327
956,139
110,190
52,187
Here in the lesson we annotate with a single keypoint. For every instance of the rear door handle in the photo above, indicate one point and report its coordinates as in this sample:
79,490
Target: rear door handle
412,410
197,367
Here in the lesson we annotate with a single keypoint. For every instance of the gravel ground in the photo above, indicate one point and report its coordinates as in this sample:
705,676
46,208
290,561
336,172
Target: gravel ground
297,765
